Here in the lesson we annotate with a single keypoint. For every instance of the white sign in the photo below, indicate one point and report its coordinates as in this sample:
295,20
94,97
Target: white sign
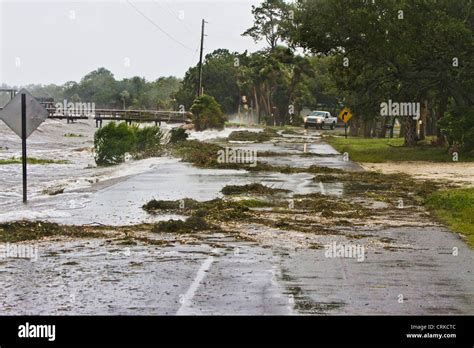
35,113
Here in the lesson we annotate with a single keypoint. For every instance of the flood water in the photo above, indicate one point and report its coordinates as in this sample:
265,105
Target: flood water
115,195
270,271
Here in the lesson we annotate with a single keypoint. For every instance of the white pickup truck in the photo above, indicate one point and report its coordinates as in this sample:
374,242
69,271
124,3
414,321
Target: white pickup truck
319,119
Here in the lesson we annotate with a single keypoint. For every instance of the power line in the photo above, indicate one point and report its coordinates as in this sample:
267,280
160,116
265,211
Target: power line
174,13
157,26
186,25
194,55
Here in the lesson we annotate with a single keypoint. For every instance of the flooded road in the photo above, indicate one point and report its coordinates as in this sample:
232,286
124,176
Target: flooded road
90,277
408,264
216,274
115,195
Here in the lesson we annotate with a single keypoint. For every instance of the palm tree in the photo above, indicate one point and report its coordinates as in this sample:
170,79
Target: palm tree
124,96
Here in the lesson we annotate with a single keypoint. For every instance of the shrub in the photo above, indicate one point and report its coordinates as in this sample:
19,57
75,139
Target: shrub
207,113
112,142
148,137
177,135
458,127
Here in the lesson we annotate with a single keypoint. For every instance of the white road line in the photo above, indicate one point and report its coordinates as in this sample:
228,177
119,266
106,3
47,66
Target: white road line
188,296
344,270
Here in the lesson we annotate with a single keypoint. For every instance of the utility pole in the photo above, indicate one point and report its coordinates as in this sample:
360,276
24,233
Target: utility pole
200,59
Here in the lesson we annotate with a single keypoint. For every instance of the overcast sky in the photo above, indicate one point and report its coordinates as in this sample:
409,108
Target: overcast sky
59,41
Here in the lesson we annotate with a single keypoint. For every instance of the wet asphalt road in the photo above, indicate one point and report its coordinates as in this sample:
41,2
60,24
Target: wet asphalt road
92,278
220,275
413,271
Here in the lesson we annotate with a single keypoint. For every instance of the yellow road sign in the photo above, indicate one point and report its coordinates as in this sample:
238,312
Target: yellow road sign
345,115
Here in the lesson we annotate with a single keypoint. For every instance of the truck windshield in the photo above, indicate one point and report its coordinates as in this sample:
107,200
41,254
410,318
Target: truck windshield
318,113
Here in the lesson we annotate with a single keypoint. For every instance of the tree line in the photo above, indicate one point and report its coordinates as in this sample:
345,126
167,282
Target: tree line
326,54
101,87
356,53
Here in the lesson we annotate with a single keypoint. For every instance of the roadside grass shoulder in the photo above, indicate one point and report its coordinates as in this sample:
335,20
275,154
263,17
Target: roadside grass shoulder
455,208
376,150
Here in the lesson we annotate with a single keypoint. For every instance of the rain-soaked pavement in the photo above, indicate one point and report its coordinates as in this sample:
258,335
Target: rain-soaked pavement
409,268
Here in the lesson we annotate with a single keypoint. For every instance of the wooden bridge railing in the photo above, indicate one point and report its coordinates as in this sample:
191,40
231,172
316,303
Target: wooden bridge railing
129,116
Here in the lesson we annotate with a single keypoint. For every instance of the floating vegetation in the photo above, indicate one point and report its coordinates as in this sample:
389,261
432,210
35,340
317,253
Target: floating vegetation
30,230
254,188
259,137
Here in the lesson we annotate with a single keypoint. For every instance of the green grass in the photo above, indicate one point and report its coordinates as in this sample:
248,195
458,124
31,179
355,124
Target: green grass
383,150
32,160
455,208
